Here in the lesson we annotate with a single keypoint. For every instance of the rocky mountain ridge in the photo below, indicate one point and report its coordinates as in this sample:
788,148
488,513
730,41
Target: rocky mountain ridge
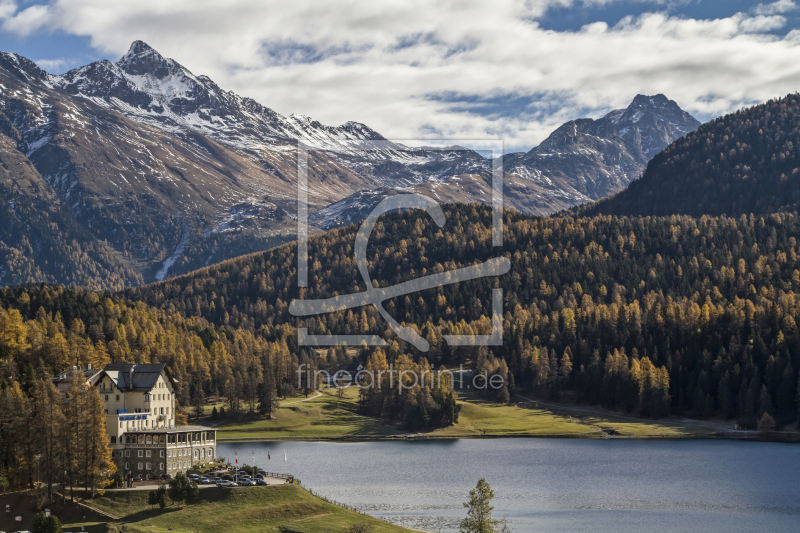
163,171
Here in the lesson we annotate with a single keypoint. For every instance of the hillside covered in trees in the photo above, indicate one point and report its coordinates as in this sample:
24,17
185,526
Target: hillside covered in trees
745,162
692,316
45,329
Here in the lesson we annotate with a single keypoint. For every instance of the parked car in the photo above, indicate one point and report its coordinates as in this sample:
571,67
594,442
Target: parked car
225,483
204,481
261,481
167,477
259,476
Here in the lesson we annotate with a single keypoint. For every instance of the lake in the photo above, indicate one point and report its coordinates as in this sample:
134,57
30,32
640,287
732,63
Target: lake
553,484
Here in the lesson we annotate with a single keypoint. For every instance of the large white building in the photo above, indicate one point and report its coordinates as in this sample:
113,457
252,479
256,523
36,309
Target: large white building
140,420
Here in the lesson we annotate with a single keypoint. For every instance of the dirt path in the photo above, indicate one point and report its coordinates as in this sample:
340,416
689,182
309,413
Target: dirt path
303,400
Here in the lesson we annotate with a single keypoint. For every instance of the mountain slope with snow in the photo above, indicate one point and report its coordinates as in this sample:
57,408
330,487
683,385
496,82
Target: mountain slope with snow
155,171
591,159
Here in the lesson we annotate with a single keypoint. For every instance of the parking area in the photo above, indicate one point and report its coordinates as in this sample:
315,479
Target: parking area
220,478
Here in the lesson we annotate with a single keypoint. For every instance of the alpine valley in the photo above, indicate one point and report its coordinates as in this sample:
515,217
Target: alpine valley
118,174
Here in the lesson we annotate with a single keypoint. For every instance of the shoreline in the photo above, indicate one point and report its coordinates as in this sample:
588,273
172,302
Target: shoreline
786,438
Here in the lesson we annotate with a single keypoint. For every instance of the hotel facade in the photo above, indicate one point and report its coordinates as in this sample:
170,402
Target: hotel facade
140,421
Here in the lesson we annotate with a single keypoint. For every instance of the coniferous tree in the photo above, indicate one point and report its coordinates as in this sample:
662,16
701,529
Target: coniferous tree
99,465
268,401
479,510
46,427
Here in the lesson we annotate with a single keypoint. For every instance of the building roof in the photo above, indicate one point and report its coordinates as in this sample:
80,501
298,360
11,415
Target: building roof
67,374
132,377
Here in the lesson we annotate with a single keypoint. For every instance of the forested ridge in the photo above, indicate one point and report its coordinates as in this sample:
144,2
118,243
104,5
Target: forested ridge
745,162
45,329
691,316
40,240
695,316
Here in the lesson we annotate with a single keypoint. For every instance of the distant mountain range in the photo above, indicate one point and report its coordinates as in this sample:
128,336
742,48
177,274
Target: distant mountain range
116,174
745,162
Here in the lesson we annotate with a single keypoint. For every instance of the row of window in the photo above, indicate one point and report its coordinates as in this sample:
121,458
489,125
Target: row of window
161,439
141,453
140,425
198,453
158,397
152,410
145,466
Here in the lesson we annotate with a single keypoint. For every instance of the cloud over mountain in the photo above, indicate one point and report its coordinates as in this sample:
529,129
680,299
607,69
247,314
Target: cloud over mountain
416,69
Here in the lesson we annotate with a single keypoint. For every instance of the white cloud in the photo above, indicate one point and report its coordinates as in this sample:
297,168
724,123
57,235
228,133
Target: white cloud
380,62
7,8
52,65
775,8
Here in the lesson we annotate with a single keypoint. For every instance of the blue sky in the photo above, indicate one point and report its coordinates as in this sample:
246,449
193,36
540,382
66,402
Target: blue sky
417,69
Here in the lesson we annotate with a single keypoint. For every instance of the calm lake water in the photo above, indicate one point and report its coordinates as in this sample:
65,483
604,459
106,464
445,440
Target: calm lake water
554,485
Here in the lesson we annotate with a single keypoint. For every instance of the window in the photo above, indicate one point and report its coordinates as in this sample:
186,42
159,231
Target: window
117,397
113,455
141,453
120,423
127,466
127,454
161,466
211,453
148,466
140,466
106,397
113,439
162,410
148,453
161,454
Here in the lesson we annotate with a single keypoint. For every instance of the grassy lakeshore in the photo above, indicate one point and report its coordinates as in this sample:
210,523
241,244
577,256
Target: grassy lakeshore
328,417
325,416
283,508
